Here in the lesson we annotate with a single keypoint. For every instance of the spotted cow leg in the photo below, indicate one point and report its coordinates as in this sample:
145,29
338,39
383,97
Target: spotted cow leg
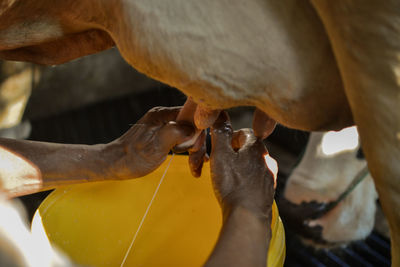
320,202
365,36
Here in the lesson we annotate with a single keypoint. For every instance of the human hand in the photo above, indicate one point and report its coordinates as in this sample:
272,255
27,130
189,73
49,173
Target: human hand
146,144
202,117
239,169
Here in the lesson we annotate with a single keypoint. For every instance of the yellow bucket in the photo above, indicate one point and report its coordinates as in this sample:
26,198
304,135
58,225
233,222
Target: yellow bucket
95,223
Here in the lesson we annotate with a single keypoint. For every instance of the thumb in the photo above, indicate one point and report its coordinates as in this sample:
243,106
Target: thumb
221,134
172,134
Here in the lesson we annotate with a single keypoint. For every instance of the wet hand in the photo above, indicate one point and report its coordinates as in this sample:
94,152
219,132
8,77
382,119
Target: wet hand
239,170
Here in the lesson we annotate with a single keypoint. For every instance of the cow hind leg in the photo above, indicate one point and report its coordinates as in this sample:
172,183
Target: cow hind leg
326,171
365,37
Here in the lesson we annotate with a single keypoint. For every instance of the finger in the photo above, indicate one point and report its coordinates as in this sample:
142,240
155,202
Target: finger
193,144
254,146
251,144
221,134
240,138
263,125
161,115
206,156
188,144
200,142
172,134
170,113
205,117
186,116
197,155
196,165
196,161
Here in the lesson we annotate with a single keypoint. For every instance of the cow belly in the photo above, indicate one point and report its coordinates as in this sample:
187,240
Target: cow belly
268,54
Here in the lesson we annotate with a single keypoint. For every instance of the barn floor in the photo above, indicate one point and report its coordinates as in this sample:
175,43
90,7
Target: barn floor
103,122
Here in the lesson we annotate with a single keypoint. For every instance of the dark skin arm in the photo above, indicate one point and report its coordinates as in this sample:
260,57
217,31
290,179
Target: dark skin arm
34,166
244,187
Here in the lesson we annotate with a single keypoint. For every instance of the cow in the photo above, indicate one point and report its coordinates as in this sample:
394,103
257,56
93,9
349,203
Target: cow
330,197
310,65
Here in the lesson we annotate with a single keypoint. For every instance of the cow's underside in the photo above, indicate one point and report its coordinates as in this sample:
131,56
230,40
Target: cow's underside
270,55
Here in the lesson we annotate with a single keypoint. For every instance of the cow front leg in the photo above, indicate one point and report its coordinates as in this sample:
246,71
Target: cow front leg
365,36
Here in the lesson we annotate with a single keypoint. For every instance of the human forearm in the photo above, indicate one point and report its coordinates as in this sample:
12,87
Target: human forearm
28,166
243,241
44,165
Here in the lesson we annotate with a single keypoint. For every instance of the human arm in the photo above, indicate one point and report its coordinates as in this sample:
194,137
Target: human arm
243,240
30,166
244,186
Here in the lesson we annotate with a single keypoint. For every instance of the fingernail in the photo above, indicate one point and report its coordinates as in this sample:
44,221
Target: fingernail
222,121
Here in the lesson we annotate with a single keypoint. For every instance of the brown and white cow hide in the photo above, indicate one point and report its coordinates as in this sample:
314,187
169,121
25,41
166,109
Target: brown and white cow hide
326,170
